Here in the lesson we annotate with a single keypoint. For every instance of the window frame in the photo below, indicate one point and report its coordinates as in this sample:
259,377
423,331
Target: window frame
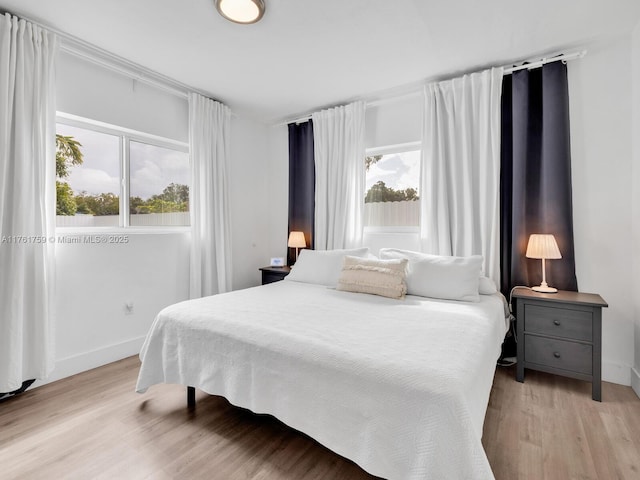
125,135
388,150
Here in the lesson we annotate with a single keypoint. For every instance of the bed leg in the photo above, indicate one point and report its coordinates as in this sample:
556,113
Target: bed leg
191,397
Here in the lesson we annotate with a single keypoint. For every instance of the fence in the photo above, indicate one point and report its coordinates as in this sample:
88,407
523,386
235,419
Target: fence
392,214
172,219
377,214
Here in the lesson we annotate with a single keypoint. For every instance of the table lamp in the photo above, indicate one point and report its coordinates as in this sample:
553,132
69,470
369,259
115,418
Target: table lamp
297,241
543,246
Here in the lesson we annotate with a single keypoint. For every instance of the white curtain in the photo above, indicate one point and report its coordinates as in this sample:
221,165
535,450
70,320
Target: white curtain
460,175
339,152
27,201
209,128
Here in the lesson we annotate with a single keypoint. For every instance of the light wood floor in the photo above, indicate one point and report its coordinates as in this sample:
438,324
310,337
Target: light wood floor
94,426
549,428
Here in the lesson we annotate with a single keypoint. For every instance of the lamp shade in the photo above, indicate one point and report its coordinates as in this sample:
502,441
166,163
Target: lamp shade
296,240
542,246
241,11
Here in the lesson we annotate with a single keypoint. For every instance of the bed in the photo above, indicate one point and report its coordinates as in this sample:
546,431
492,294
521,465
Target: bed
400,387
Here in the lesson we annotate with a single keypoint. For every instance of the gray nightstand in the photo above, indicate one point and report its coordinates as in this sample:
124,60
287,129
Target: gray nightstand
560,333
274,274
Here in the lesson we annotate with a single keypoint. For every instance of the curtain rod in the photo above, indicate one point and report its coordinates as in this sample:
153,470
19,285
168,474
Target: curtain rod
529,66
87,51
123,67
508,70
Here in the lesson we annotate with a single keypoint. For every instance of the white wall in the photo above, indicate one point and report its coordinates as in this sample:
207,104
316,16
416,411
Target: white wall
635,201
278,186
394,121
601,140
151,271
600,87
249,201
96,281
91,91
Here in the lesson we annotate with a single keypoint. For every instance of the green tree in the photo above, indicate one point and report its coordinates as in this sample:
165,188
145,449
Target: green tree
157,205
138,206
411,194
68,153
370,160
174,198
65,203
379,192
83,204
174,192
102,204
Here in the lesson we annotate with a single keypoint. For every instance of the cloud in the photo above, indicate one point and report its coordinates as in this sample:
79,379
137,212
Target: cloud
154,168
397,170
93,181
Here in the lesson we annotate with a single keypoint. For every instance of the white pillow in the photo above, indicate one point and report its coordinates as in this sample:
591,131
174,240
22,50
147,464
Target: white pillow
374,276
435,276
322,266
487,287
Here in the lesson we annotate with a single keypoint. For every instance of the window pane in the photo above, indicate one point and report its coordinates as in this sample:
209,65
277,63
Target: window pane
159,186
87,178
392,190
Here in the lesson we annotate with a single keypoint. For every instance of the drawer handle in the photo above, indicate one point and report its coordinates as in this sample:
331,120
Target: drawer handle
556,323
556,354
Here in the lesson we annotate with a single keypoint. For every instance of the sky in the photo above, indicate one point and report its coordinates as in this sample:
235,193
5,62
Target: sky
397,170
151,168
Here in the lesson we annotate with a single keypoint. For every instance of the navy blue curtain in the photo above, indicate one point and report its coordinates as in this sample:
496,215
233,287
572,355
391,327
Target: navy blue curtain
302,183
535,178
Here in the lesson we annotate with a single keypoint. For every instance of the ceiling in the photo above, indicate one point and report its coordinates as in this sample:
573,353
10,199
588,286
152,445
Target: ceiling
309,54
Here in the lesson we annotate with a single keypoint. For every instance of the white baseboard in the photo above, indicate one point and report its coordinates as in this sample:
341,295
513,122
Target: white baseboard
616,373
82,362
635,381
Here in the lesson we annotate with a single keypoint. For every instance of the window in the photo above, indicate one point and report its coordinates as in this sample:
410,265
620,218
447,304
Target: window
392,181
112,177
87,177
159,185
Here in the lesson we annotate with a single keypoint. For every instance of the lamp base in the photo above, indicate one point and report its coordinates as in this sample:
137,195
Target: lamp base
544,289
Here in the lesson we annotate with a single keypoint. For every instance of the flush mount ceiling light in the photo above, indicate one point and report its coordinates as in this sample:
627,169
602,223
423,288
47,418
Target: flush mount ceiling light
241,11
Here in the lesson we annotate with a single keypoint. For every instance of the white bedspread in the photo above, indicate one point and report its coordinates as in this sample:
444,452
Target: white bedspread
399,387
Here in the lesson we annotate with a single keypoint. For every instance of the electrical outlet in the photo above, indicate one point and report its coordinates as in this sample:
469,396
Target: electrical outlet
128,308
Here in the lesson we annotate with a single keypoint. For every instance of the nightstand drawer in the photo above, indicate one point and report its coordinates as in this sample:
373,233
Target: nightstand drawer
571,356
559,322
274,274
271,277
